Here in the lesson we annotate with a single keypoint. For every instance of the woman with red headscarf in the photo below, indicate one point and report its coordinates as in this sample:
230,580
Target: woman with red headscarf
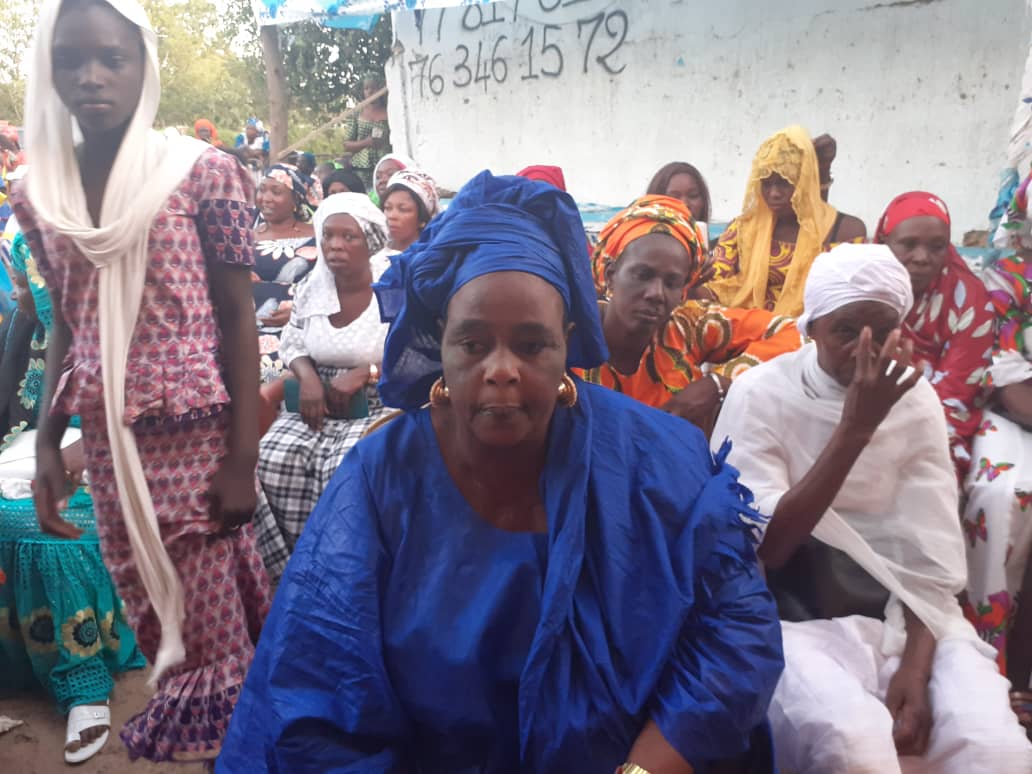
647,258
205,131
951,322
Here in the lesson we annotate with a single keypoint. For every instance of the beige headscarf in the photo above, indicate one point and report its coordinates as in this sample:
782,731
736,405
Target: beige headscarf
118,248
790,154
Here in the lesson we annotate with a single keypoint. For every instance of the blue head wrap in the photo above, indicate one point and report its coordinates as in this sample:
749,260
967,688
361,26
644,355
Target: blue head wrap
493,224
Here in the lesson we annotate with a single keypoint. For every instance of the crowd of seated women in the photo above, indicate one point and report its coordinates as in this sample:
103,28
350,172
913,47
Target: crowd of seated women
653,502
683,319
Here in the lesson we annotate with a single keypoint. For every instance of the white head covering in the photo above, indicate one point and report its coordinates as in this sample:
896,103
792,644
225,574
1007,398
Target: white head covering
849,273
317,294
397,158
148,167
420,184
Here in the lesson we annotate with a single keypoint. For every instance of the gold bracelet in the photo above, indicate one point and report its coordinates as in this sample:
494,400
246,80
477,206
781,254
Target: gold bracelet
631,768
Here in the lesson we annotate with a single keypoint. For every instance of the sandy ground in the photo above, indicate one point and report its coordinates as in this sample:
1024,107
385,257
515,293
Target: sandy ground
37,747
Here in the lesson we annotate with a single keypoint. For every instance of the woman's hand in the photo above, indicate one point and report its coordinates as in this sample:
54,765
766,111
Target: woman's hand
699,403
277,319
313,402
344,387
51,490
232,496
876,386
908,703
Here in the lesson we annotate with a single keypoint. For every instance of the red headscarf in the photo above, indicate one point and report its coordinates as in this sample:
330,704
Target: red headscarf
204,123
951,326
545,174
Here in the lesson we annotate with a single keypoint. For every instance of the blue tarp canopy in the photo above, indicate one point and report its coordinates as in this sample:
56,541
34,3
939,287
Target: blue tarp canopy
343,14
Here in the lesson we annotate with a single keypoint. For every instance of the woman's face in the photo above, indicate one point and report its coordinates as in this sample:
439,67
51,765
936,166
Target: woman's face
369,88
777,193
686,188
383,176
204,133
402,214
97,60
275,201
503,351
837,335
921,244
344,246
22,295
647,282
336,188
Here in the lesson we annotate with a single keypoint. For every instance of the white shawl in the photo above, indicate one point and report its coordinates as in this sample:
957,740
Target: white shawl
316,295
897,513
147,169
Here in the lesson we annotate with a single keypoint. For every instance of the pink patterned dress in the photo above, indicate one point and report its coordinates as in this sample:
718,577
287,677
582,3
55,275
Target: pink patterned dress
178,405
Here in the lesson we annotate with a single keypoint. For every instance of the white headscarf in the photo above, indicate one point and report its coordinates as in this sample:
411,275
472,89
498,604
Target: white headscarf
317,294
896,513
849,273
148,167
403,161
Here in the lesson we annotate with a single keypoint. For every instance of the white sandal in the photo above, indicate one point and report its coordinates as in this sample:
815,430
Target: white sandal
80,718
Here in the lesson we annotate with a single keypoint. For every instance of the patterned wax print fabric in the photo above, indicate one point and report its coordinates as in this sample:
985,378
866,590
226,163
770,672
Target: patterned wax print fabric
751,269
176,403
726,261
998,512
951,326
61,622
699,334
398,592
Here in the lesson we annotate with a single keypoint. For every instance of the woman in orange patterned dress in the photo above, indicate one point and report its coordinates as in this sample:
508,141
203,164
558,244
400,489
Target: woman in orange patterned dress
762,258
663,351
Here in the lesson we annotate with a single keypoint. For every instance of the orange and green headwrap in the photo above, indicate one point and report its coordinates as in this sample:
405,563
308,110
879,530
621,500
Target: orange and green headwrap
647,215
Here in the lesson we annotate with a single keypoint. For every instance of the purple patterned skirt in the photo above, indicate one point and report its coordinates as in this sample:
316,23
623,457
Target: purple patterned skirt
224,583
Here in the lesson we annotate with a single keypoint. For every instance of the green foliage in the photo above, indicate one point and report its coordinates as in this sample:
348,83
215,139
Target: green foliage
211,66
201,75
325,66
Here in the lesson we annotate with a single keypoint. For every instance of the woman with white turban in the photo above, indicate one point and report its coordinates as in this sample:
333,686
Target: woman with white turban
333,346
883,673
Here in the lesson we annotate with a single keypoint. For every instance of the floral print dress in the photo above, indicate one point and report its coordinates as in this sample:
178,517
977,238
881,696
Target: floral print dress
998,509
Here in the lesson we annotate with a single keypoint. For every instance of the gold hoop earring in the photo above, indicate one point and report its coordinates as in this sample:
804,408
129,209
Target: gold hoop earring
567,392
439,395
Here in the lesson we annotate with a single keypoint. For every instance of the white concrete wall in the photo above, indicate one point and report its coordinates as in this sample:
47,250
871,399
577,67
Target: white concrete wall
918,93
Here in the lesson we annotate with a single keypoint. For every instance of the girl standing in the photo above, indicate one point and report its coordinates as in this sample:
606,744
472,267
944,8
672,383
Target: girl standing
145,243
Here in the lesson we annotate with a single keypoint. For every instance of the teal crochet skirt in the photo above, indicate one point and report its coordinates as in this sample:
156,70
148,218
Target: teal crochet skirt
61,622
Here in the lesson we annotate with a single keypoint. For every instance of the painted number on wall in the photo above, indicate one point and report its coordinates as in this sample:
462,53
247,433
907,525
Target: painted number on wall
500,46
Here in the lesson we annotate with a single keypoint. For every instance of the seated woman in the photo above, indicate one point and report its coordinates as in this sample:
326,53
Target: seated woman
284,252
762,259
385,169
530,574
682,181
410,203
951,323
997,516
61,623
845,444
332,345
647,257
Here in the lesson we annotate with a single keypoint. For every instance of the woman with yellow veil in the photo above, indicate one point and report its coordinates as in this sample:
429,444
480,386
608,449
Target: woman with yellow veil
762,259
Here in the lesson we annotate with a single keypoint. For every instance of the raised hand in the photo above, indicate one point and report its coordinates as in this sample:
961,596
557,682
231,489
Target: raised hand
879,382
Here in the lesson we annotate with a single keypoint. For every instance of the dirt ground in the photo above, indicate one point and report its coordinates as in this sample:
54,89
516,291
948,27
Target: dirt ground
37,747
